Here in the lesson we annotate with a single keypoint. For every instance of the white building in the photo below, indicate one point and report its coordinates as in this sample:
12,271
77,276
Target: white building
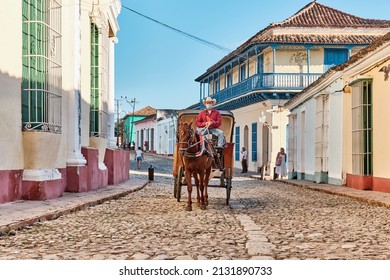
166,125
57,93
156,133
338,126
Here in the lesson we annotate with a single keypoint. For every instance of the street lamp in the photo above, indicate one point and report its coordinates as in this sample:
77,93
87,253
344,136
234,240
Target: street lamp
263,122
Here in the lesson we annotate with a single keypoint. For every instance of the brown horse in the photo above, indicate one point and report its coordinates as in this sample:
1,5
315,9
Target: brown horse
196,164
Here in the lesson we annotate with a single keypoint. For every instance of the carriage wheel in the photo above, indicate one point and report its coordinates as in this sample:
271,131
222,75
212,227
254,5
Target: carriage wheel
179,183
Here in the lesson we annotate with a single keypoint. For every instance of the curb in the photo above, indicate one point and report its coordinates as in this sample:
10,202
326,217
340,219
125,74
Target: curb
358,198
58,213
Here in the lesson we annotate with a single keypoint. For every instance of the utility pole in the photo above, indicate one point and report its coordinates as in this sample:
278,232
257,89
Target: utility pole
132,104
118,111
117,122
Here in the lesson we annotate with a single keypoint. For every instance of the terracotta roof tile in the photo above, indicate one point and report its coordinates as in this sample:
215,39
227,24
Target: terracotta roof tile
317,15
146,111
318,39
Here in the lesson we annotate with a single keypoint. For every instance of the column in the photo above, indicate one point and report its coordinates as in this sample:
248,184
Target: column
111,94
76,170
74,156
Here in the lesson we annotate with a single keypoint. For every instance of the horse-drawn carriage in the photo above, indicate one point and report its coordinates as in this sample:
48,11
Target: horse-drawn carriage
212,163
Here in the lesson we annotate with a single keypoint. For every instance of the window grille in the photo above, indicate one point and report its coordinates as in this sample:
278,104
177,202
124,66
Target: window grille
362,128
41,62
99,80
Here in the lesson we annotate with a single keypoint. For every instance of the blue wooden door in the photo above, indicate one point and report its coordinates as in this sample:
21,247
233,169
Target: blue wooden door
334,57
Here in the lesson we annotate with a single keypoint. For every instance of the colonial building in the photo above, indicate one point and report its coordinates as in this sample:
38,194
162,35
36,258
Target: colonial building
338,125
57,92
156,133
274,65
128,121
166,124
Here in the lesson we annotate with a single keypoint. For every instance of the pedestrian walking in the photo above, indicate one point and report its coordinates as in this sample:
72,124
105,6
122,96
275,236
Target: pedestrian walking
244,160
139,156
281,169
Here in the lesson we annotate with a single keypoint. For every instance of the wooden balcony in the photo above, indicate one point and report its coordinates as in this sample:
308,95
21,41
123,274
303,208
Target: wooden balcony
267,81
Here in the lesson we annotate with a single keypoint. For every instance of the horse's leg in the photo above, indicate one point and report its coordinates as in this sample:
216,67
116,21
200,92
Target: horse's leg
201,187
189,190
195,175
206,183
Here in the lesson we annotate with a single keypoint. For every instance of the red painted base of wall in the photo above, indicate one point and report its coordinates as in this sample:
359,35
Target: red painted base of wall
77,179
42,190
118,165
103,178
381,184
92,156
74,179
10,185
368,183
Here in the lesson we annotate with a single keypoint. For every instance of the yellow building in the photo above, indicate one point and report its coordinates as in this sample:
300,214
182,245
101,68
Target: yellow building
366,132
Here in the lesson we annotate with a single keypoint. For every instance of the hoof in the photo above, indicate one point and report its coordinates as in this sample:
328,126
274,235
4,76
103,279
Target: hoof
203,207
189,208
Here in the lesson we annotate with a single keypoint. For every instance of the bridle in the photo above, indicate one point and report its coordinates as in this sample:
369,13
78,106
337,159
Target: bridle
190,143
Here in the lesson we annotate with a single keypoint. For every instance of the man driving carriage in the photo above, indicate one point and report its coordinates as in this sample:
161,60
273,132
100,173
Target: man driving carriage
209,120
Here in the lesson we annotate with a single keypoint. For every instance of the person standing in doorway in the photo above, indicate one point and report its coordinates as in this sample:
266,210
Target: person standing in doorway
139,156
244,160
281,159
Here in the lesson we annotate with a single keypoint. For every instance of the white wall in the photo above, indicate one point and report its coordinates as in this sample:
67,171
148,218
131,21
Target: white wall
335,133
10,80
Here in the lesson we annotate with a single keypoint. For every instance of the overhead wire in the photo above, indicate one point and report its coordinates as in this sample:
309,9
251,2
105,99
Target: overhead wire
193,37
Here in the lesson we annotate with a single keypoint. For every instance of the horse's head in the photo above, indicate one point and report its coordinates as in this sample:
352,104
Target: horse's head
185,137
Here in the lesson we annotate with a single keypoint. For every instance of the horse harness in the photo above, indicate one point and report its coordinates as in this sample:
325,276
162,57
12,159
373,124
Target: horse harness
191,144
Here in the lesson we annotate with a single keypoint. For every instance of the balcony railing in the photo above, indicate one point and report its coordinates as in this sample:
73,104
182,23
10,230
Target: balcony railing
267,81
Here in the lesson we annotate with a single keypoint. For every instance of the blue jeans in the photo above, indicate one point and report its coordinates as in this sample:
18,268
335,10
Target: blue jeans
215,131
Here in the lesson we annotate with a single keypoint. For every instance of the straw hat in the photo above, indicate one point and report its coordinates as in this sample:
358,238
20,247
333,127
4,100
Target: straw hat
209,99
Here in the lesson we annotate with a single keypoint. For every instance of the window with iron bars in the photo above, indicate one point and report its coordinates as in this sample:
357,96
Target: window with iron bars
41,65
362,128
99,81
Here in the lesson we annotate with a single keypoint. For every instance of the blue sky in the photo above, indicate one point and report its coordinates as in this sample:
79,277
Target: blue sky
158,66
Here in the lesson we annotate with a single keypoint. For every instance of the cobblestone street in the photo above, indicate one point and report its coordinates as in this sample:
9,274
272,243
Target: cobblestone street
265,220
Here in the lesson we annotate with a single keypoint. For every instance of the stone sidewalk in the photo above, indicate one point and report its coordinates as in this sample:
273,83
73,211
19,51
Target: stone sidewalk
372,197
19,214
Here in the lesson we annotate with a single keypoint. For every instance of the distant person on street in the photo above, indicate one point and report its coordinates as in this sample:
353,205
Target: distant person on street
139,156
281,159
244,160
